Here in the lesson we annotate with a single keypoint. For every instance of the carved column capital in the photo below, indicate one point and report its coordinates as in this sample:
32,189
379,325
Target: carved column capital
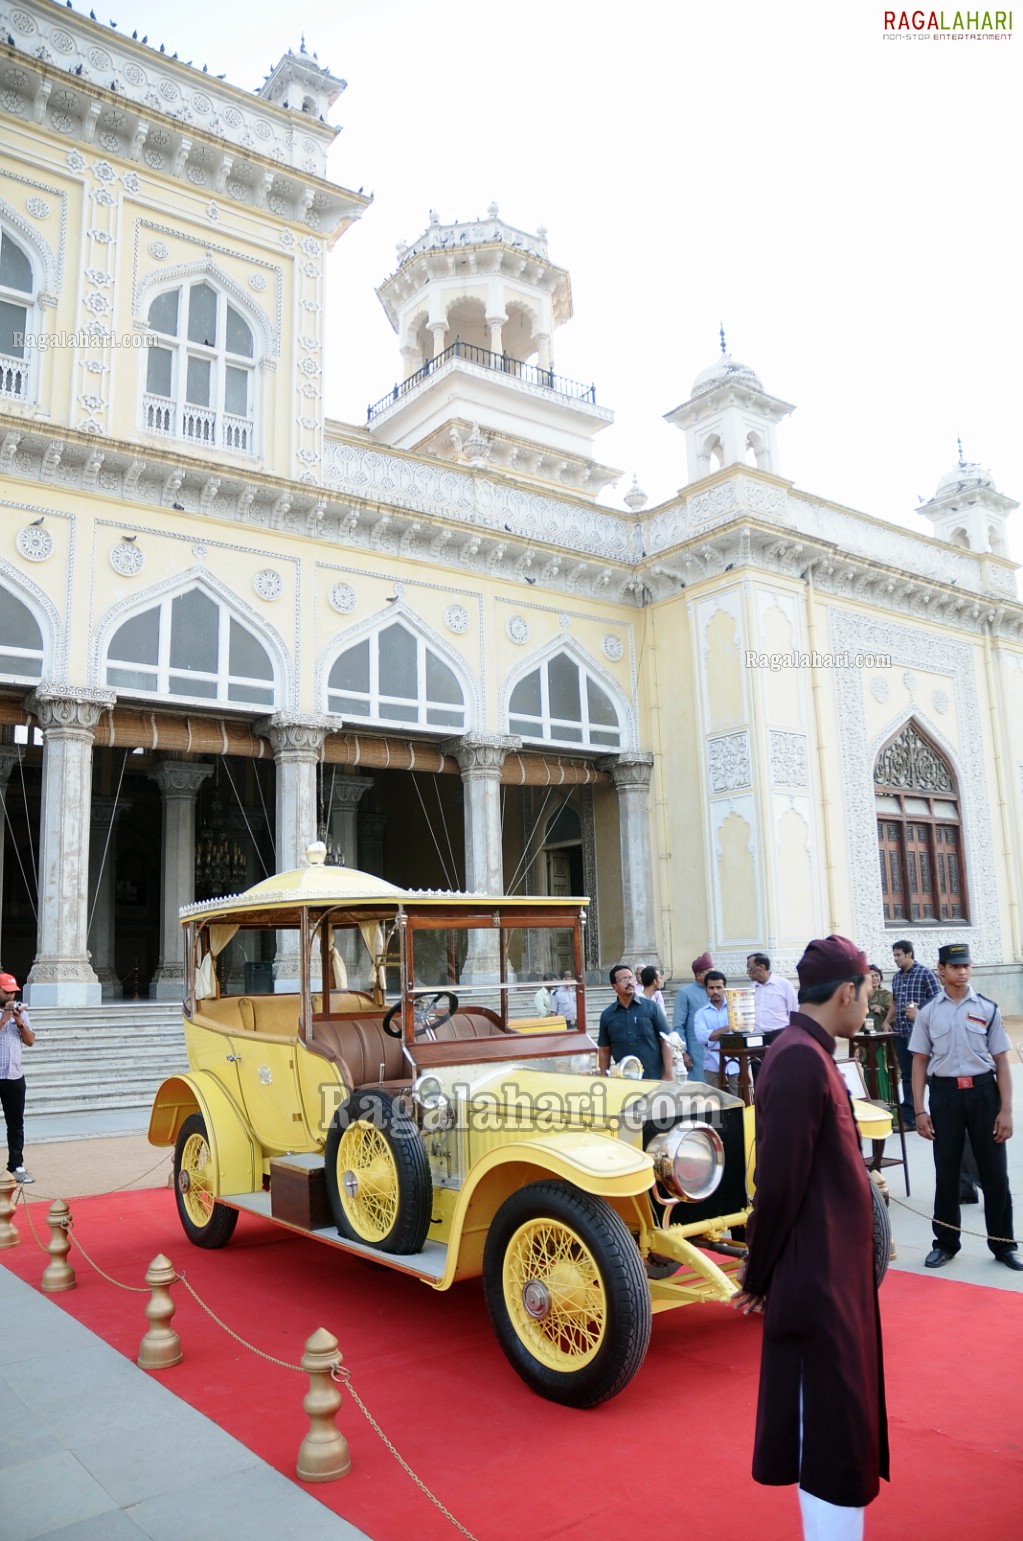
298,737
69,710
347,791
632,768
480,756
180,778
103,810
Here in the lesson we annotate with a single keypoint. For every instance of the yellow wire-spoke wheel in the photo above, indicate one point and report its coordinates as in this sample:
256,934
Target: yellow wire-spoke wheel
195,1179
368,1180
204,1221
555,1294
377,1173
566,1293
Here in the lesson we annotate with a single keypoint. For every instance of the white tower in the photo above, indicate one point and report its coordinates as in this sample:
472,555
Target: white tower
475,307
729,419
968,510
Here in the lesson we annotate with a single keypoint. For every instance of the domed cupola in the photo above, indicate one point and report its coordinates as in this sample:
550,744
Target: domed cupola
729,419
968,510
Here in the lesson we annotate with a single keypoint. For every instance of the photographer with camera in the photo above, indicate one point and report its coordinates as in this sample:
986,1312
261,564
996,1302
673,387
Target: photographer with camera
15,1031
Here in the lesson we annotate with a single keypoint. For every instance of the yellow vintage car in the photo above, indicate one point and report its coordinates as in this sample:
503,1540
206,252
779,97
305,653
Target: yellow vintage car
367,1067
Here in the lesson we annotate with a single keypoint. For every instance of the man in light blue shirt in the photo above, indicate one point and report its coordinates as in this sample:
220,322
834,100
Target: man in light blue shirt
712,1024
689,1000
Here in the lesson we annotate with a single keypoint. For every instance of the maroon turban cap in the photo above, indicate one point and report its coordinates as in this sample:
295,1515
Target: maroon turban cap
830,961
701,964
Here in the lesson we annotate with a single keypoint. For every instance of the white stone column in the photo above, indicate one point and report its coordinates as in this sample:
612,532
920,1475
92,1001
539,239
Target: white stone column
297,743
62,974
496,327
179,782
345,793
440,337
630,773
103,817
480,757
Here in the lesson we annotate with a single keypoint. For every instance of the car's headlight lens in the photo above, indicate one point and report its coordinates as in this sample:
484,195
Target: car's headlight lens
689,1160
429,1094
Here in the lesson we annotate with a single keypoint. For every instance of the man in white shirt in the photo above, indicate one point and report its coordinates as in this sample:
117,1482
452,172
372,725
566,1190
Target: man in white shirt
774,999
710,1025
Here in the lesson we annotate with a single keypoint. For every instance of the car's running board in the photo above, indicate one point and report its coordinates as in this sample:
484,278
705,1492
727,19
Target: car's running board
428,1264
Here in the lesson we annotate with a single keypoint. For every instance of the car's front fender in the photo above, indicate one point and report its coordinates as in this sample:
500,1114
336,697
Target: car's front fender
236,1157
600,1165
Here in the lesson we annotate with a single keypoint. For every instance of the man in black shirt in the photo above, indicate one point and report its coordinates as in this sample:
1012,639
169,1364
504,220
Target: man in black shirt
633,1024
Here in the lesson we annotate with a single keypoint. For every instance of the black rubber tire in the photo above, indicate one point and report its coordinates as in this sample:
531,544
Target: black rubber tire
882,1235
607,1247
191,1154
372,1130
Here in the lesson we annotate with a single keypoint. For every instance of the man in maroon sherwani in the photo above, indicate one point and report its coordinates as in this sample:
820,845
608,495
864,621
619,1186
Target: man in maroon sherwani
821,1419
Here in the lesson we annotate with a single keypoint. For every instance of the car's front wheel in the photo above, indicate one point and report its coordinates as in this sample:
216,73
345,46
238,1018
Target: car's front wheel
205,1222
566,1293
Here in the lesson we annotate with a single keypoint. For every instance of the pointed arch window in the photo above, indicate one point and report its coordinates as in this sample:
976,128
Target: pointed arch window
394,676
561,703
200,375
21,640
190,646
17,310
919,831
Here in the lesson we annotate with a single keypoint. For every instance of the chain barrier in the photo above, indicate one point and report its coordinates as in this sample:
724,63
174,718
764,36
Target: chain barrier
23,1201
179,1278
133,1289
1003,1241
121,1188
341,1372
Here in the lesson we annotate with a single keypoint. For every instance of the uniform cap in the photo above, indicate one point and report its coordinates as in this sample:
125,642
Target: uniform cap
9,984
830,961
955,952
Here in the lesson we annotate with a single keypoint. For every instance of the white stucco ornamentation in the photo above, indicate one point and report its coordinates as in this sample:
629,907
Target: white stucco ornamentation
613,647
457,618
728,762
939,700
880,690
788,759
342,598
127,559
257,282
921,649
518,629
268,584
38,208
34,543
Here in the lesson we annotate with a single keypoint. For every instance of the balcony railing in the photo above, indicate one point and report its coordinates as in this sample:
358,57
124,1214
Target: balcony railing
200,425
13,378
531,374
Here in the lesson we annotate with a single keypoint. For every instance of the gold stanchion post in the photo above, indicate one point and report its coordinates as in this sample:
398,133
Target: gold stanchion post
8,1230
323,1455
161,1346
58,1274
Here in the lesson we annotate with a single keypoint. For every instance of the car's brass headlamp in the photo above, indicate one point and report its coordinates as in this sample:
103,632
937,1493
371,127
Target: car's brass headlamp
689,1161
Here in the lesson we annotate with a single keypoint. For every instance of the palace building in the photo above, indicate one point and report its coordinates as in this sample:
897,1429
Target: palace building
229,624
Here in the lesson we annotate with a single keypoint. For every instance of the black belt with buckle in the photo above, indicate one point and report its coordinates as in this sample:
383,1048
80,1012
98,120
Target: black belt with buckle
966,1083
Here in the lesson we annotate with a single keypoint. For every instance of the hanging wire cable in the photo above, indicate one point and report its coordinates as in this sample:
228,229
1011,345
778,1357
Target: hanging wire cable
444,826
433,836
106,845
17,852
248,826
28,821
529,840
266,817
539,850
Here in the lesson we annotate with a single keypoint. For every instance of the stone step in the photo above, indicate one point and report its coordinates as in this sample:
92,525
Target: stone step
98,1059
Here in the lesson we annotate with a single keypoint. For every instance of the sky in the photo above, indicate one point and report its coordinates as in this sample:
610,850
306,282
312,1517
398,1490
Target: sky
841,203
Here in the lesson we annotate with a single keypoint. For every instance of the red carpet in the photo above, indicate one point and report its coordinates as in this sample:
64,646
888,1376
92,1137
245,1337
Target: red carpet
671,1454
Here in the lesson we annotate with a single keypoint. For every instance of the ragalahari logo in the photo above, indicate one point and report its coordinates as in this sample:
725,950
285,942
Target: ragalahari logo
947,26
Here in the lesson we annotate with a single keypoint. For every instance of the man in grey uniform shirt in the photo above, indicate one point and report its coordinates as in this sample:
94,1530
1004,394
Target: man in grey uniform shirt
961,1049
